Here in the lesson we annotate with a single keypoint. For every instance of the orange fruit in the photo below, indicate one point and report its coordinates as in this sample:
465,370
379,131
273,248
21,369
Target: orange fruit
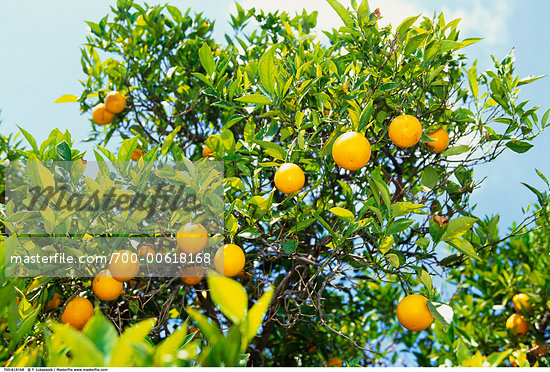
334,362
105,287
192,238
206,152
124,265
440,140
351,151
101,116
521,302
518,324
115,102
145,250
539,350
217,52
289,178
229,260
53,303
192,275
138,153
77,312
405,131
413,313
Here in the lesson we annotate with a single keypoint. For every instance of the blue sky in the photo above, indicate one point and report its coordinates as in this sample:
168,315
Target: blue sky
40,40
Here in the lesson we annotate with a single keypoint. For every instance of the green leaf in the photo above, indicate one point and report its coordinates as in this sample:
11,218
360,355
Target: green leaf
472,80
254,98
83,350
266,70
207,59
66,98
363,11
442,313
344,14
458,227
39,174
393,259
403,208
426,280
530,79
125,348
276,150
257,313
290,246
101,332
168,141
429,177
465,247
63,151
171,345
381,186
230,296
212,334
540,196
399,226
414,42
456,150
518,146
30,139
343,213
404,27
126,150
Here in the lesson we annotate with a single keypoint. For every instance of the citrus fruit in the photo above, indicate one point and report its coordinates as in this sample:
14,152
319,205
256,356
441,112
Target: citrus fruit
101,116
138,153
440,140
229,260
192,238
539,350
77,312
145,250
206,152
405,131
105,287
518,324
192,275
289,178
53,303
334,362
521,302
351,151
124,265
413,313
115,102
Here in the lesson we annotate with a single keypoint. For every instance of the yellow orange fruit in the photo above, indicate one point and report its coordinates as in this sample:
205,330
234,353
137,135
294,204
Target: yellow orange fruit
229,260
105,287
521,302
145,250
192,238
206,152
77,312
405,131
53,303
334,362
517,324
413,313
351,150
124,265
192,275
101,116
440,140
138,153
115,102
289,178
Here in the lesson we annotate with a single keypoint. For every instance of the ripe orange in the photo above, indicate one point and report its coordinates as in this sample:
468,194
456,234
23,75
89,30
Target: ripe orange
521,302
115,102
518,324
206,152
192,238
101,116
413,313
53,303
334,362
77,312
440,140
229,260
145,250
138,153
405,131
289,178
192,275
351,151
124,265
105,287
539,350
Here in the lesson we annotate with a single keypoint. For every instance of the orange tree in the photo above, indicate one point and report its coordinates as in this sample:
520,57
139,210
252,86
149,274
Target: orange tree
342,249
